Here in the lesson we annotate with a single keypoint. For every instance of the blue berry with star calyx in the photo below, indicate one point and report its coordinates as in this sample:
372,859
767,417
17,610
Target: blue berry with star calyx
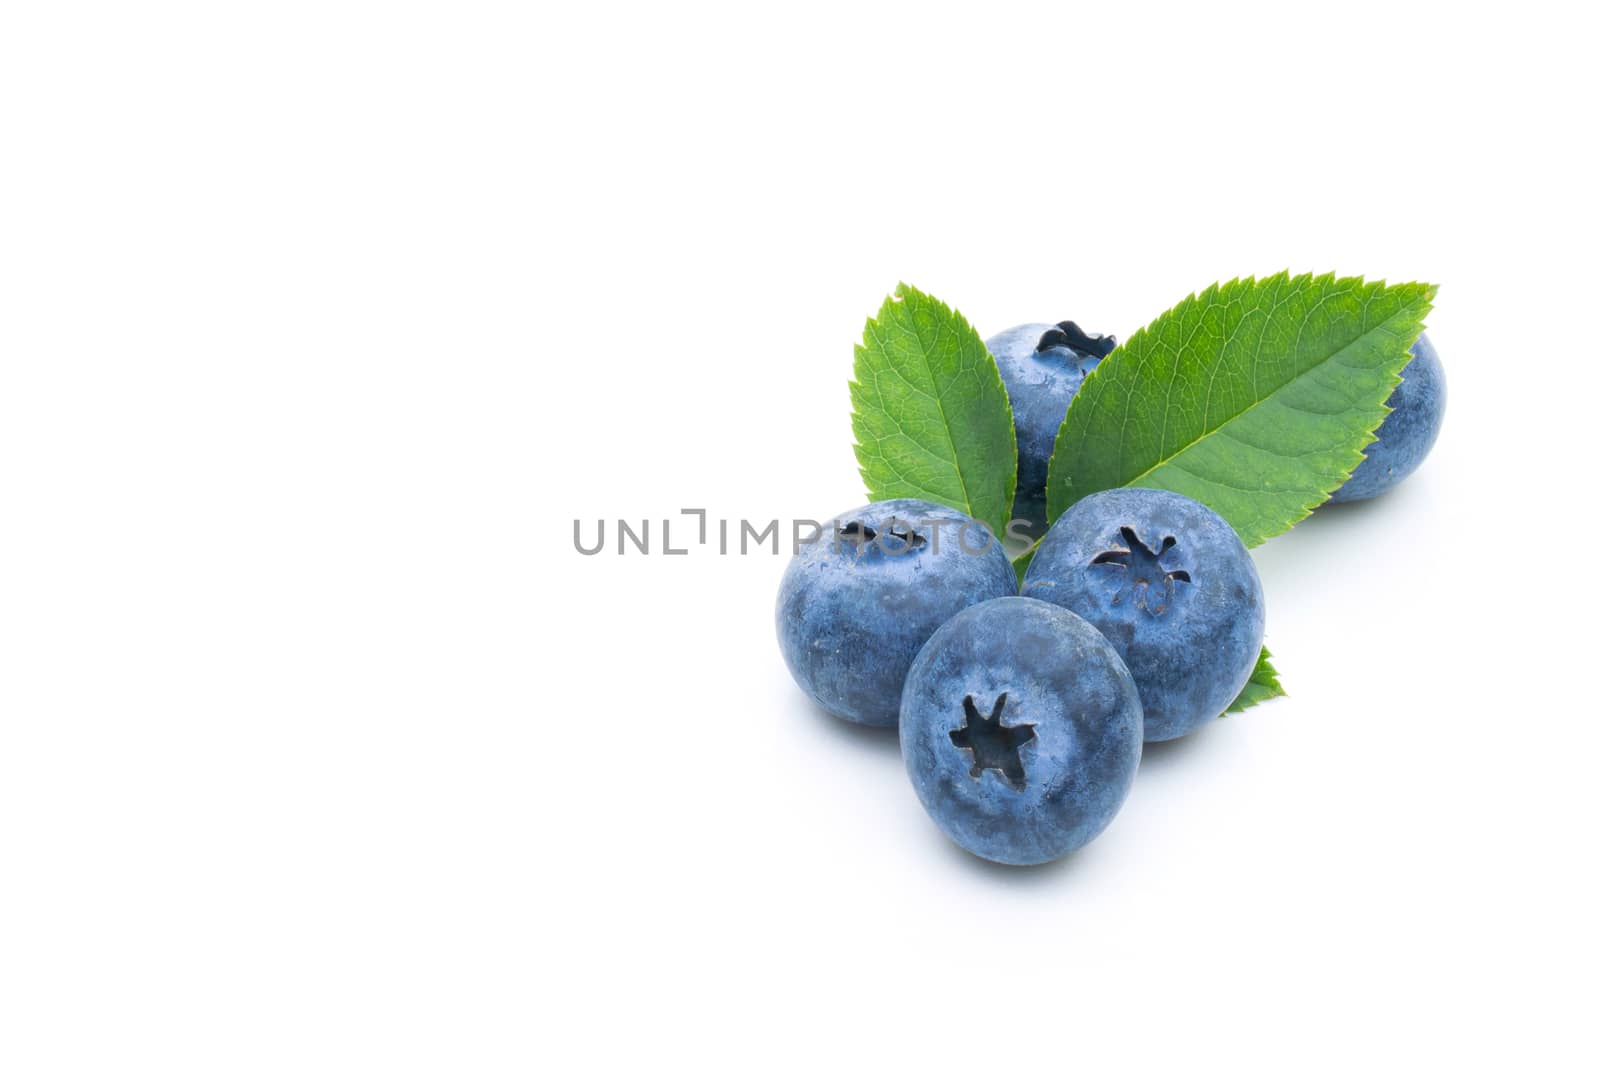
1042,366
1021,730
1170,584
856,604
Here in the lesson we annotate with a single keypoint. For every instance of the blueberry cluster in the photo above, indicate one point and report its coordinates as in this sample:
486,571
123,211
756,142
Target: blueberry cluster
1022,716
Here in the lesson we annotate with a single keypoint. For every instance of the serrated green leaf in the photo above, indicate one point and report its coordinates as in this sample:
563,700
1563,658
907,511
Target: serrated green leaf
931,417
1254,397
1262,685
1020,565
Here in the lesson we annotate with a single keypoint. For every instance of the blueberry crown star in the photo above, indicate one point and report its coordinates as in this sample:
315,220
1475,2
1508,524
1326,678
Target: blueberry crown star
1144,571
993,745
1070,335
895,537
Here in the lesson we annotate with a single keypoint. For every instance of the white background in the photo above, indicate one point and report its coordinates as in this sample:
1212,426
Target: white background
321,323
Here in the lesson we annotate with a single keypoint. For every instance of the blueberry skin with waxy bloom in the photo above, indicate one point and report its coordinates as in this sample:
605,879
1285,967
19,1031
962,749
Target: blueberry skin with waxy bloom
1171,586
1021,730
1407,433
1042,366
856,605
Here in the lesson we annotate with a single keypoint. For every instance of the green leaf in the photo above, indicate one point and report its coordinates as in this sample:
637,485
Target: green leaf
931,417
1021,563
1254,397
1262,685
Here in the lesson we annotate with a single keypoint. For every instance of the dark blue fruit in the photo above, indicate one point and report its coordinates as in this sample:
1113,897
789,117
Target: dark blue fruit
1407,434
857,605
1021,730
1171,586
1042,366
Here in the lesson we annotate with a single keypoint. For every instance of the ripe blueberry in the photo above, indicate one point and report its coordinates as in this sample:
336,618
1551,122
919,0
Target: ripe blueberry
1173,589
1042,367
1407,434
1021,730
856,605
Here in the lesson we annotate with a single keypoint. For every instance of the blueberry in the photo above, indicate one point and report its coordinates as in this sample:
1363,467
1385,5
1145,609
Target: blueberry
1171,585
1021,729
1042,367
856,605
1407,434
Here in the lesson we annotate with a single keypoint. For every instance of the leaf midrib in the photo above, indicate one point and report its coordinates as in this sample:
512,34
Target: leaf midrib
938,402
912,330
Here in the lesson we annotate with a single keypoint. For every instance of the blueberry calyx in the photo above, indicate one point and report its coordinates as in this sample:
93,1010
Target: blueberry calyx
993,745
1069,335
1144,570
895,537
